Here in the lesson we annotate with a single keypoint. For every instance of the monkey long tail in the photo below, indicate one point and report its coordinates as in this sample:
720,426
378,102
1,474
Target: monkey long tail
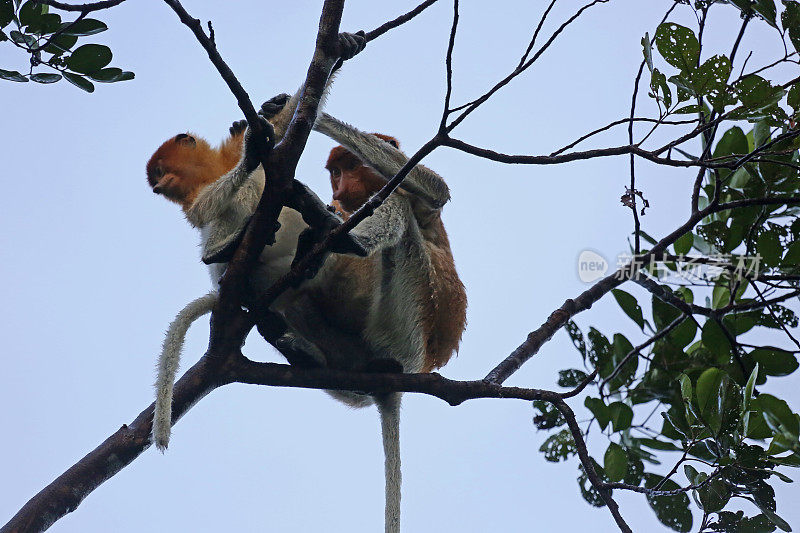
389,409
168,363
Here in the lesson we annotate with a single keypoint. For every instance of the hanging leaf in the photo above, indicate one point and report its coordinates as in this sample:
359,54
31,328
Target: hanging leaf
672,511
599,410
79,81
621,416
45,77
630,306
12,75
89,58
615,462
6,13
84,27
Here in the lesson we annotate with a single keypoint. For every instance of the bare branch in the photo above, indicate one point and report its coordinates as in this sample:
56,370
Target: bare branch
520,69
402,19
588,466
83,8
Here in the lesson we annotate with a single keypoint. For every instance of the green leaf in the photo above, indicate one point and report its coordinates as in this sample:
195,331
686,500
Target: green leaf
599,410
6,12
686,388
790,18
658,82
792,256
672,511
61,44
683,334
748,391
126,76
711,79
663,313
558,447
774,361
89,58
630,306
739,179
45,77
769,248
658,445
761,133
793,98
766,8
756,93
615,462
622,347
621,416
589,493
678,45
709,397
84,27
31,12
775,519
777,411
111,75
23,39
576,336
684,244
714,495
714,339
600,354
647,49
691,474
570,377
733,141
12,75
79,81
548,416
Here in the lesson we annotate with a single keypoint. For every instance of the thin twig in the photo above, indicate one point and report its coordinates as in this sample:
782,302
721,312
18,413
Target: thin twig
402,19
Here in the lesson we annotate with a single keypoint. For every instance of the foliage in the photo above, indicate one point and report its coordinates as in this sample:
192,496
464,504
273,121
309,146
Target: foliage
704,377
53,46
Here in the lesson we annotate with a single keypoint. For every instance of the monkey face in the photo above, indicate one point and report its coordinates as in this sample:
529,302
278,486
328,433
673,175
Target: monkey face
177,168
352,181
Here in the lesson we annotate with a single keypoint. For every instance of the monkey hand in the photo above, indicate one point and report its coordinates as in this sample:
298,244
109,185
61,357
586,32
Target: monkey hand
300,352
221,251
351,44
271,107
252,156
237,127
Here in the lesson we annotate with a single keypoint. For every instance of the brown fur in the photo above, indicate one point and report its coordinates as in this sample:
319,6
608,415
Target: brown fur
444,303
186,163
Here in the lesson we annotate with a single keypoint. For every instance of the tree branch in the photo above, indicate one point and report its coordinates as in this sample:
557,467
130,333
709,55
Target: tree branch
402,19
83,8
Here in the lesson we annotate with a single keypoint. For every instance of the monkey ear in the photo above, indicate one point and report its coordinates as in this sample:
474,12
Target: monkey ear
184,138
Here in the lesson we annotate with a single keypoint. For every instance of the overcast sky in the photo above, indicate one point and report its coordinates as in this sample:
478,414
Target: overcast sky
95,266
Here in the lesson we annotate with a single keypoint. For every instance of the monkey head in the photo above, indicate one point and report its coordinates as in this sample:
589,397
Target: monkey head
352,181
181,167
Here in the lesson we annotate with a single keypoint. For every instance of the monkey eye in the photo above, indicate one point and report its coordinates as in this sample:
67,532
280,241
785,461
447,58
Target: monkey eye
159,171
336,172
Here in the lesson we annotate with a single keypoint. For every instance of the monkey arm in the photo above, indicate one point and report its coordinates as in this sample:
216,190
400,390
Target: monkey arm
386,227
350,45
216,198
386,160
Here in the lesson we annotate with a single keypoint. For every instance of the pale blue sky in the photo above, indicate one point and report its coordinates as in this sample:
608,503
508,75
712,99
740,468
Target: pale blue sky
95,267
